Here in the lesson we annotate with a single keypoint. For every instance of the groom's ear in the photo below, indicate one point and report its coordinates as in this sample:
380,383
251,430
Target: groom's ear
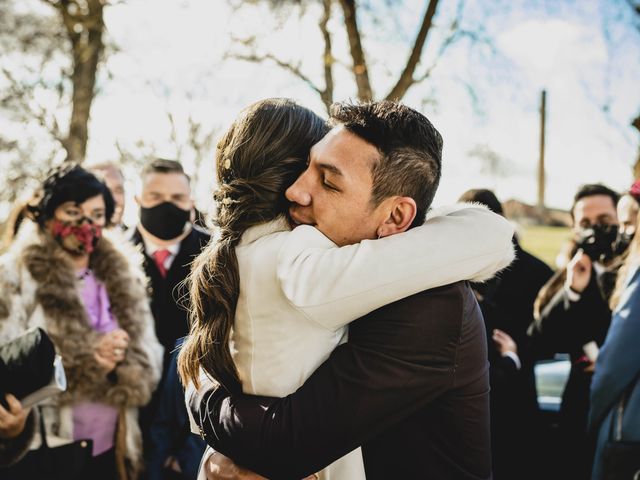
402,212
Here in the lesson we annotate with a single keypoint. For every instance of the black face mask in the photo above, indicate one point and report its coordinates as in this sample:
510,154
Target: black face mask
165,221
622,243
597,241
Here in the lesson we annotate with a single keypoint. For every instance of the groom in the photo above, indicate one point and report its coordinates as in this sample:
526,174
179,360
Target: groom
411,386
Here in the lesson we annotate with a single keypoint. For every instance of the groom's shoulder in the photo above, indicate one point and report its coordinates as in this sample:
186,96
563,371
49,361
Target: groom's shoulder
455,299
441,309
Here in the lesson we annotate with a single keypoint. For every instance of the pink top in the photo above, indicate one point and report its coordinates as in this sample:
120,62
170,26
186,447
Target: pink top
94,420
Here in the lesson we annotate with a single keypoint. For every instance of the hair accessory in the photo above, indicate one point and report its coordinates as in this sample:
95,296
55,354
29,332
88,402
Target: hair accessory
227,164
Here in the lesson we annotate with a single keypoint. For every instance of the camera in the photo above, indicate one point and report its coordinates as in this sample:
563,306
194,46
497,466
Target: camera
597,241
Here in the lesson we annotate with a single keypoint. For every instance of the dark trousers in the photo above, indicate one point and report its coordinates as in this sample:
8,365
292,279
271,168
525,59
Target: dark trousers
102,467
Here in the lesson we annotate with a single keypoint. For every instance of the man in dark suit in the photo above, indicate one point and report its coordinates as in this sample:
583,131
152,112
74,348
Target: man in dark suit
507,302
170,242
411,386
575,318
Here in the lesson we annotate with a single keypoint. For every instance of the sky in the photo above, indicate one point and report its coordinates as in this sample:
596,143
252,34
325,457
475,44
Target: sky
170,57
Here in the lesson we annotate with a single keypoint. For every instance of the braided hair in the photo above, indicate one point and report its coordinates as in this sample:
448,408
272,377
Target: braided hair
257,159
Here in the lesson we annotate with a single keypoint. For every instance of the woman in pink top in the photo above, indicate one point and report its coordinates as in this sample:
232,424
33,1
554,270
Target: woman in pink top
63,274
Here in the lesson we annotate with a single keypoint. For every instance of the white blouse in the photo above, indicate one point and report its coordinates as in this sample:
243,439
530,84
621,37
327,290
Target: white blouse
298,291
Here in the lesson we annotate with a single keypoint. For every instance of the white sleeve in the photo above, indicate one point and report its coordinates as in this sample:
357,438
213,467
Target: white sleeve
334,286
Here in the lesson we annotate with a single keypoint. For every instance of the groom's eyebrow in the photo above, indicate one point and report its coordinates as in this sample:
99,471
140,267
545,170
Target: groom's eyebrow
331,168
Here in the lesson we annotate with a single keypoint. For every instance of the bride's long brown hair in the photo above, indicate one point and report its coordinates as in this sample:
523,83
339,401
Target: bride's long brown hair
257,159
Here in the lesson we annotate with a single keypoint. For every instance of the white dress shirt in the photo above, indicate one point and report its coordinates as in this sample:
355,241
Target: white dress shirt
152,248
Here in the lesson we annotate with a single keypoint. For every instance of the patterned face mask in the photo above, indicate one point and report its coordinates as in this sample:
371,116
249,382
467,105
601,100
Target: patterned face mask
77,238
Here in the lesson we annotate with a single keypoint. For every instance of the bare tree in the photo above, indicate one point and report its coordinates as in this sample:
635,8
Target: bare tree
68,41
52,51
84,24
410,75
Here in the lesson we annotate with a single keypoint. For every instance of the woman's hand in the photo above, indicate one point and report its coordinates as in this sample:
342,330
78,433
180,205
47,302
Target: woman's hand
111,349
12,422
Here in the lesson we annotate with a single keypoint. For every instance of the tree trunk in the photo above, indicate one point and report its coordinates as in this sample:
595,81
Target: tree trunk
327,94
85,30
360,70
406,78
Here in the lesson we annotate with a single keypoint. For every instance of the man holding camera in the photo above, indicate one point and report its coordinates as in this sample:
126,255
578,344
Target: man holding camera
575,318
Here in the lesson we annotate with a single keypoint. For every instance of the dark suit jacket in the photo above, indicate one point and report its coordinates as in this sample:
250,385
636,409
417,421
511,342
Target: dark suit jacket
507,303
170,433
564,327
171,319
411,387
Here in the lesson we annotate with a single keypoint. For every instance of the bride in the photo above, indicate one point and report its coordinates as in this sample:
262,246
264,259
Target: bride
262,318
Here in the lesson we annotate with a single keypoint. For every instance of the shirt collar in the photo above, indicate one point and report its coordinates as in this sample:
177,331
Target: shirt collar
152,248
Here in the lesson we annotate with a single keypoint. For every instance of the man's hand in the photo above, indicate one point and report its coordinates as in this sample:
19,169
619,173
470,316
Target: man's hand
12,422
219,467
504,342
578,272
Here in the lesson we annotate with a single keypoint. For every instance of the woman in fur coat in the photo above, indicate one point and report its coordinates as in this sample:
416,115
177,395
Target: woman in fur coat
88,292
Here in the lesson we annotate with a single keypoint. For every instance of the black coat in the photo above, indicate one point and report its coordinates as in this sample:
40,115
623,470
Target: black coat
169,314
564,326
507,304
411,386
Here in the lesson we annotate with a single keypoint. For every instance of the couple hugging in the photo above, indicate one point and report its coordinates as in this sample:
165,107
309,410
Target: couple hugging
333,333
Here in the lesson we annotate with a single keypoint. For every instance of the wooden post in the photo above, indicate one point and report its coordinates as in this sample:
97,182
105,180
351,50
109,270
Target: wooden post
541,180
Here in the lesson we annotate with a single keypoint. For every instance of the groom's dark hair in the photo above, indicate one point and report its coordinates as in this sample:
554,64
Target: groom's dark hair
410,147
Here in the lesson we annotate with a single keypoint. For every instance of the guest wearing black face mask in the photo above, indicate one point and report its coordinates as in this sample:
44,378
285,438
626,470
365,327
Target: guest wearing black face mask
572,316
170,242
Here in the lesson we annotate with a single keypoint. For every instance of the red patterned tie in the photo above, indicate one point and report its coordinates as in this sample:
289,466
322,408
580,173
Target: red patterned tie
160,256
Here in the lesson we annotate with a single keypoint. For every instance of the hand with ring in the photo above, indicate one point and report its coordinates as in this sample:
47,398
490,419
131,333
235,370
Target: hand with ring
111,349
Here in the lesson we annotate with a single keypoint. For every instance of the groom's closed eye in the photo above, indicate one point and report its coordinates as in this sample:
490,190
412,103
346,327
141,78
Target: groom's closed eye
330,176
328,185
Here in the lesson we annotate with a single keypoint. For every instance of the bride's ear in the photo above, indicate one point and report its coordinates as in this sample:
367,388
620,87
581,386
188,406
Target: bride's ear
402,212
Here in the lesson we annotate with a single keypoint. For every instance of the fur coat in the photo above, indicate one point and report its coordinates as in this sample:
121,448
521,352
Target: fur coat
38,288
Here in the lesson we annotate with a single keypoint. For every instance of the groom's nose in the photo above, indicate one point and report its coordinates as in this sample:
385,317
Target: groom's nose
298,192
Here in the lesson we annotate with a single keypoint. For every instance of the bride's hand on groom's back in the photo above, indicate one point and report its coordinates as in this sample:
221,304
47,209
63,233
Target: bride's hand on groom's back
219,467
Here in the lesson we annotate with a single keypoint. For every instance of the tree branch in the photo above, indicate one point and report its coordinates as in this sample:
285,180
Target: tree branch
295,70
406,77
327,94
19,94
450,40
360,70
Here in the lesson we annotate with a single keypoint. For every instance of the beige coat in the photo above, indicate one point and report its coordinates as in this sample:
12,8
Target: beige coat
38,288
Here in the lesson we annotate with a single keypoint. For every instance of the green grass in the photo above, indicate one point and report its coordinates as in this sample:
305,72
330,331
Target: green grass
544,242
